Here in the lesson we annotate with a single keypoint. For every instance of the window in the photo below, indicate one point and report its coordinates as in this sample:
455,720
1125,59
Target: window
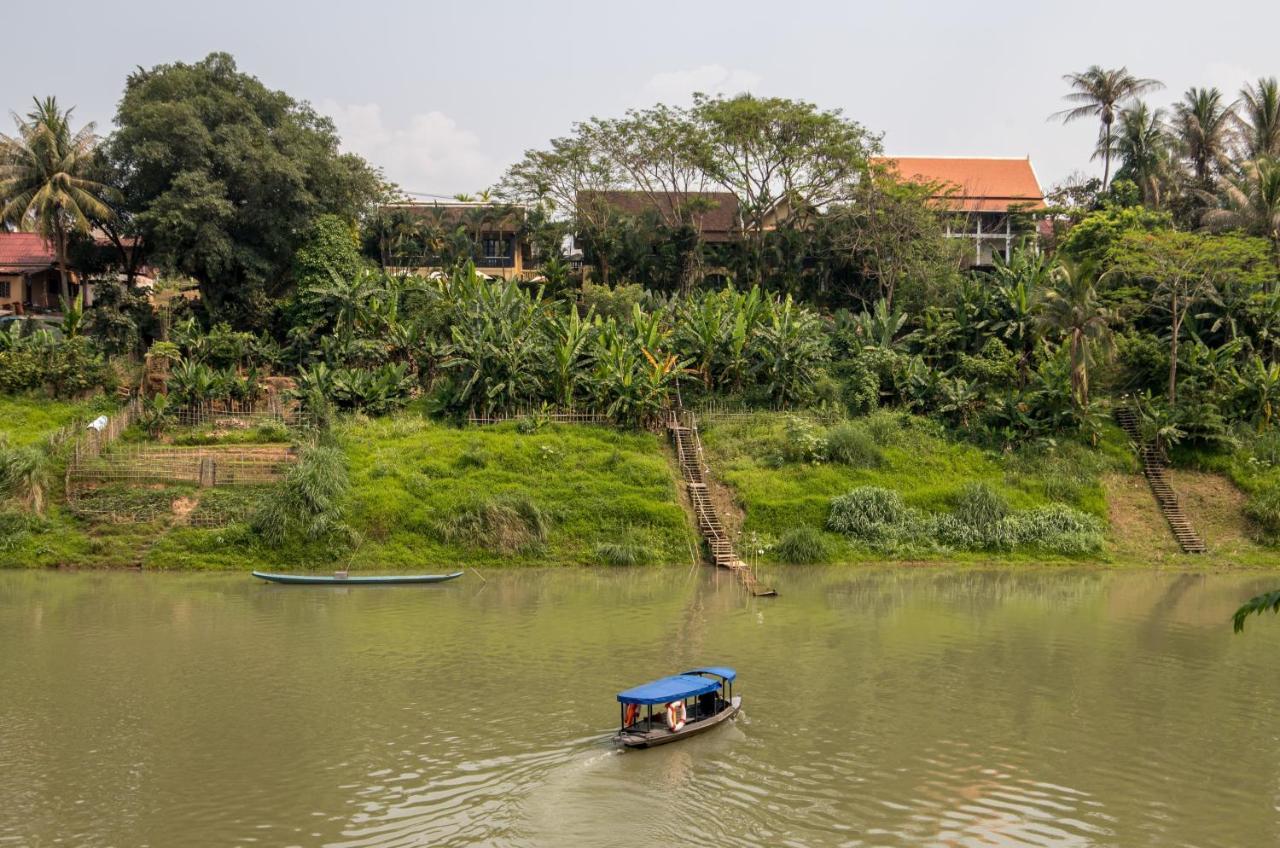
6,289
496,248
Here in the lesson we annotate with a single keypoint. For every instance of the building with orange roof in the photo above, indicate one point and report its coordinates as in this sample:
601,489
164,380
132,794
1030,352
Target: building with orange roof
988,200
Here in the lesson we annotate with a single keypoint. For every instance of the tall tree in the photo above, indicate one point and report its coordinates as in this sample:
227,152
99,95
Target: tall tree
44,182
1182,270
779,155
1259,118
1141,146
1251,202
224,176
662,153
1073,309
888,229
1204,123
1099,92
570,179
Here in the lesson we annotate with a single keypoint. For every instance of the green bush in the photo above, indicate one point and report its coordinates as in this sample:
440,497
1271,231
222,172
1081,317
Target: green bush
980,506
622,553
24,475
981,521
885,427
510,523
1055,528
869,513
803,546
1263,509
16,527
310,501
802,441
851,444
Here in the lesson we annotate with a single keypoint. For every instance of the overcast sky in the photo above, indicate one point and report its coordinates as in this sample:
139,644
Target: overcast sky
443,96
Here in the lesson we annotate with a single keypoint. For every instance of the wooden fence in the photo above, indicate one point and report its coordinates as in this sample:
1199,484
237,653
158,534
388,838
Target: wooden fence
535,413
242,413
712,411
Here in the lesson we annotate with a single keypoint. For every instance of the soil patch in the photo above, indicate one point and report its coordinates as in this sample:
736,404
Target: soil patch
1139,532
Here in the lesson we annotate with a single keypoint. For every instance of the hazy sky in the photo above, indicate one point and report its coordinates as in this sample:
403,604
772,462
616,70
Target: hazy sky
444,95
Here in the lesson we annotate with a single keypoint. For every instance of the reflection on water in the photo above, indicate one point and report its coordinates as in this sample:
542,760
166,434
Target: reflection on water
881,707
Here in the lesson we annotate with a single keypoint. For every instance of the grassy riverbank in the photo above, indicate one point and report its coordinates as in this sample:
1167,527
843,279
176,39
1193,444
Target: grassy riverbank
781,475
425,495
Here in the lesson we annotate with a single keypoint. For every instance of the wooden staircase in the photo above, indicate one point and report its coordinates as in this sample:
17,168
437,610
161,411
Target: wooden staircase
689,453
1157,474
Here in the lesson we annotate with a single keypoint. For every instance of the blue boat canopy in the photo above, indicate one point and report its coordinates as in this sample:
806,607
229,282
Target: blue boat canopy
669,689
718,670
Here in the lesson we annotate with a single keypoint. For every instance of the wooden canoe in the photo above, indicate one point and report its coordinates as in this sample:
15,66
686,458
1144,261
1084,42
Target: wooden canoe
354,579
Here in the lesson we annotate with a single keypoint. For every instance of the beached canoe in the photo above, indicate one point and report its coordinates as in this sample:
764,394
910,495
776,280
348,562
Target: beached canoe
354,579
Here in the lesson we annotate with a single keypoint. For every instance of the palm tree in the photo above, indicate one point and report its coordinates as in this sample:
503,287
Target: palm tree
1260,118
43,182
1072,309
1142,148
1098,92
1204,123
1251,202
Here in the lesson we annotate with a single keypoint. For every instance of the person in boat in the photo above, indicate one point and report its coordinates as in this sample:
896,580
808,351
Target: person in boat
676,717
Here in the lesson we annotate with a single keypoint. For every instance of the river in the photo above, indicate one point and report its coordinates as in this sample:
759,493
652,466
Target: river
886,707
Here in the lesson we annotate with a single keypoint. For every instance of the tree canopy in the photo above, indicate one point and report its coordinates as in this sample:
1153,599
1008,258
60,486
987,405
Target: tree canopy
223,176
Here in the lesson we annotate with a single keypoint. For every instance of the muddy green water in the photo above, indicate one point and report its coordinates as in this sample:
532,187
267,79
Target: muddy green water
882,707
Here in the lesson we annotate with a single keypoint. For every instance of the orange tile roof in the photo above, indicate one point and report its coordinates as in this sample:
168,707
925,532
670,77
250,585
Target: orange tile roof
24,252
976,184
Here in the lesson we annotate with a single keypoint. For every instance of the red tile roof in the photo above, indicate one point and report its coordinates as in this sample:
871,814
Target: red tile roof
24,252
975,184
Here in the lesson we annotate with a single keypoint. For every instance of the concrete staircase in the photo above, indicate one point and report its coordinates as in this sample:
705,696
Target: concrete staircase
1157,474
684,433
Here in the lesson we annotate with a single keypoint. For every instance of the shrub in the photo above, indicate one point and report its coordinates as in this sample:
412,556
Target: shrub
505,523
1056,528
622,553
24,475
803,546
1266,449
155,415
851,444
1264,510
803,441
980,506
271,431
16,527
869,513
885,427
860,391
309,501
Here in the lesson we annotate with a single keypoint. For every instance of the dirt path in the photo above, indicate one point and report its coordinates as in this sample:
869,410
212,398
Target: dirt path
1139,533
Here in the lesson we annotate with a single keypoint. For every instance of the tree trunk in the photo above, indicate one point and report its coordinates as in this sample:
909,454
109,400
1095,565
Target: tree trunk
1106,154
1173,355
60,255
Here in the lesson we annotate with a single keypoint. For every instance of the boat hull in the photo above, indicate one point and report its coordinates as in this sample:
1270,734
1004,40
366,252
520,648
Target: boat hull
366,580
661,736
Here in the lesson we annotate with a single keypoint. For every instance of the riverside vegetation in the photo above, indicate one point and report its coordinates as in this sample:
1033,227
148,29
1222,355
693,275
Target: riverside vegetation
903,406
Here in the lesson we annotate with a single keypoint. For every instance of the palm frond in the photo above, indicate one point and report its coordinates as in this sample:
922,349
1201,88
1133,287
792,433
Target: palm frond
1255,606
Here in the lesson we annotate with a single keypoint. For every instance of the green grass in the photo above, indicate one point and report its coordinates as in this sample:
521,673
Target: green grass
414,483
915,460
30,419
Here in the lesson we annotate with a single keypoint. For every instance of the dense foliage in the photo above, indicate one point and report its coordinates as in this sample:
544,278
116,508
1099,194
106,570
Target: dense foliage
221,177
